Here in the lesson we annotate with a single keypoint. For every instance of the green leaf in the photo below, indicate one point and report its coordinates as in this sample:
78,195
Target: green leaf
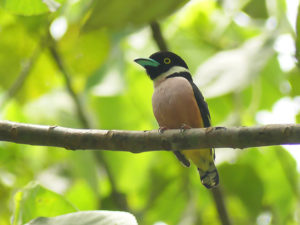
88,217
81,194
257,9
165,193
120,14
87,172
21,52
35,200
289,167
220,108
83,53
277,170
39,78
18,49
294,80
108,80
233,70
30,7
245,183
270,80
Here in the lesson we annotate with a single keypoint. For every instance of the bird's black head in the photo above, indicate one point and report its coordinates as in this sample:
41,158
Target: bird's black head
160,62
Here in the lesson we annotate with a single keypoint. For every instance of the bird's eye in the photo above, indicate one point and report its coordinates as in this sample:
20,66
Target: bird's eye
167,60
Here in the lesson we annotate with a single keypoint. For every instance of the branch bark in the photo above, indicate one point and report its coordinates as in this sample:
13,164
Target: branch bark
143,141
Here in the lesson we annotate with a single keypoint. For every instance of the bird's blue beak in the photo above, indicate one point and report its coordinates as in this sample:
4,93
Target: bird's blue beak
147,62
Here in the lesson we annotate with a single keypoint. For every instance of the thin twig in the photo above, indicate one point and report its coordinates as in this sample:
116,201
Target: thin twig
158,37
220,205
59,62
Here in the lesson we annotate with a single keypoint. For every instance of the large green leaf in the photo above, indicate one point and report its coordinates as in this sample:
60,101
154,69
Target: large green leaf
34,201
15,43
269,83
120,14
257,9
233,70
88,217
30,7
83,53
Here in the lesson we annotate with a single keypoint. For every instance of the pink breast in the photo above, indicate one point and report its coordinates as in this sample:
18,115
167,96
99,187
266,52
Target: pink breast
174,104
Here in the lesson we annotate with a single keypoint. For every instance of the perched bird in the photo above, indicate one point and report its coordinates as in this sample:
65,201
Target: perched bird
178,104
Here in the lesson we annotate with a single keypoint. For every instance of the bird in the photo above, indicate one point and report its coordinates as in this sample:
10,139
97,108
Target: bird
178,104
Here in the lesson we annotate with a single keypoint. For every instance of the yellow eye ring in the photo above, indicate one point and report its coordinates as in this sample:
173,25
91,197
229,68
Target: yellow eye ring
167,60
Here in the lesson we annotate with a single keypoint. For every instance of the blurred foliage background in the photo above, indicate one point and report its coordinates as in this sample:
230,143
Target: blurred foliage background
70,63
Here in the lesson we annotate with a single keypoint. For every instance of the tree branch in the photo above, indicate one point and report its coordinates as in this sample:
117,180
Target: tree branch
220,205
158,37
143,141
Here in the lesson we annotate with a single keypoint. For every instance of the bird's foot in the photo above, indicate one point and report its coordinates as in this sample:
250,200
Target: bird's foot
162,129
184,127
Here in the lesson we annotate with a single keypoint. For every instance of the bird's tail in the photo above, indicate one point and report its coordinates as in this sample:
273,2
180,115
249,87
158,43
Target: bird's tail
209,177
204,160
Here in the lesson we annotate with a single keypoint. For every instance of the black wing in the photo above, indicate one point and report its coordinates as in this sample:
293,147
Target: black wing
203,110
182,158
202,105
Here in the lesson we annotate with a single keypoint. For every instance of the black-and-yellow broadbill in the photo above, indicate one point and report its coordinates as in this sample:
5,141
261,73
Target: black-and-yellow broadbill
178,104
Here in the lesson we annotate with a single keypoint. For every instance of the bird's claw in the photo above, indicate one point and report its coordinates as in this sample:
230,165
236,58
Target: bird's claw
184,127
162,129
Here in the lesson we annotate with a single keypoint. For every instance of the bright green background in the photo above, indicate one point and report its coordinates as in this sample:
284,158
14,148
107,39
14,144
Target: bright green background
237,70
